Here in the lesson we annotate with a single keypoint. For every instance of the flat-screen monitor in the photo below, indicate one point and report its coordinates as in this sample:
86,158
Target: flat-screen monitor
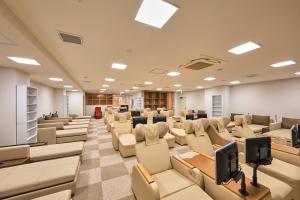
296,135
258,150
227,163
189,117
159,119
123,109
139,120
135,113
201,115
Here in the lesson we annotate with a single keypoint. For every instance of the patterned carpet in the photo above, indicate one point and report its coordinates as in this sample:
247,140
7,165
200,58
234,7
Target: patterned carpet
104,174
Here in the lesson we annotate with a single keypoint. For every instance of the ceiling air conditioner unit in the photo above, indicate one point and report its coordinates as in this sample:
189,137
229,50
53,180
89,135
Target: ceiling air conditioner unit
202,63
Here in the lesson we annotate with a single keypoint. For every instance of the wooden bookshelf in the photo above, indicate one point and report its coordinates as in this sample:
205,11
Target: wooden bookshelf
99,99
154,99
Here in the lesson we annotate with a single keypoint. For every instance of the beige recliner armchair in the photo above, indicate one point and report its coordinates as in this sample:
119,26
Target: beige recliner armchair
157,176
180,133
242,129
122,137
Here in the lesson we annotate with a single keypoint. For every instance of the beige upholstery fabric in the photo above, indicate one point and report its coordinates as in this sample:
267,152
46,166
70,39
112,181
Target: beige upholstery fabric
163,128
170,181
261,120
280,133
63,195
75,138
139,132
256,128
148,156
47,135
58,125
198,127
122,127
244,132
179,135
188,126
14,152
151,134
170,140
71,132
78,126
220,125
127,144
37,176
190,193
200,144
78,122
53,151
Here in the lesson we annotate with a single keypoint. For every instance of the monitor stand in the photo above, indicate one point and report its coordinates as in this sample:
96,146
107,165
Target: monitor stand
243,189
254,176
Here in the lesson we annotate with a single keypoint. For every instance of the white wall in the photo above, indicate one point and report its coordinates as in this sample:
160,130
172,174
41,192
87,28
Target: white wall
280,98
76,103
45,98
9,79
194,100
59,104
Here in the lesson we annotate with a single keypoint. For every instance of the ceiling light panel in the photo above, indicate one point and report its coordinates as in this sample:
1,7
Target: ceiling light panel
210,78
110,79
119,66
155,12
68,86
106,86
200,87
56,79
235,82
244,48
135,87
173,74
147,82
297,73
283,63
177,85
26,61
159,89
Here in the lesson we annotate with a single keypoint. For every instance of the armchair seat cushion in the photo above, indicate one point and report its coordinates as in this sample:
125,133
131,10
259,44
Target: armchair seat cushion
171,181
77,126
179,135
53,151
256,128
71,132
35,176
193,192
280,133
63,195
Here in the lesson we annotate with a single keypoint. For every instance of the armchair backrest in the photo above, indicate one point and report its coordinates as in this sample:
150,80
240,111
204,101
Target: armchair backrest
287,123
261,120
153,152
122,126
188,126
47,135
14,152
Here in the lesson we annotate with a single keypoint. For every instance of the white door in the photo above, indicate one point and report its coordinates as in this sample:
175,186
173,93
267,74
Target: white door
182,103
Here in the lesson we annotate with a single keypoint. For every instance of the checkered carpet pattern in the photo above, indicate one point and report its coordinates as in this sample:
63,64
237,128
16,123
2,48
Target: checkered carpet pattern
104,174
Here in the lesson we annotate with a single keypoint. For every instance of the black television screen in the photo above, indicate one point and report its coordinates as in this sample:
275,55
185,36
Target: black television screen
296,135
227,163
159,119
258,150
189,117
139,120
135,113
201,115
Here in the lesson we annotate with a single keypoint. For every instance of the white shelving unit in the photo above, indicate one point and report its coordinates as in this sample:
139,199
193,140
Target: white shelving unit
217,106
26,114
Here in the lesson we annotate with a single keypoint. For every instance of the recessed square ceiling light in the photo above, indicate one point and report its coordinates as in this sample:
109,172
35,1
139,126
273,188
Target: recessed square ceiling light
210,78
121,92
68,86
110,79
74,90
178,90
155,12
106,86
177,85
297,73
244,48
119,66
56,79
200,87
126,90
235,82
135,87
103,89
159,89
283,63
26,61
173,73
147,82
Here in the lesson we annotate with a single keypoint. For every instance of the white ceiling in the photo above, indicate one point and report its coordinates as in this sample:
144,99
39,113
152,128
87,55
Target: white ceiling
110,34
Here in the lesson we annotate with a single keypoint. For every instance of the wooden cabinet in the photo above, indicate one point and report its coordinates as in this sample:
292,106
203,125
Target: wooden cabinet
154,100
99,99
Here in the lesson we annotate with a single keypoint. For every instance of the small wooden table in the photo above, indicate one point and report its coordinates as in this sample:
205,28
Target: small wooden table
285,149
206,165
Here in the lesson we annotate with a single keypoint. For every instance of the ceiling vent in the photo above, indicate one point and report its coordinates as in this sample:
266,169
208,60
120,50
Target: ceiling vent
251,75
70,38
202,63
158,71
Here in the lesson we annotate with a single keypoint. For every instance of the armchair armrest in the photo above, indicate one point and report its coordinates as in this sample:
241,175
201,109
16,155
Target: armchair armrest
216,146
144,188
145,173
47,135
57,125
115,139
15,152
275,126
187,170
